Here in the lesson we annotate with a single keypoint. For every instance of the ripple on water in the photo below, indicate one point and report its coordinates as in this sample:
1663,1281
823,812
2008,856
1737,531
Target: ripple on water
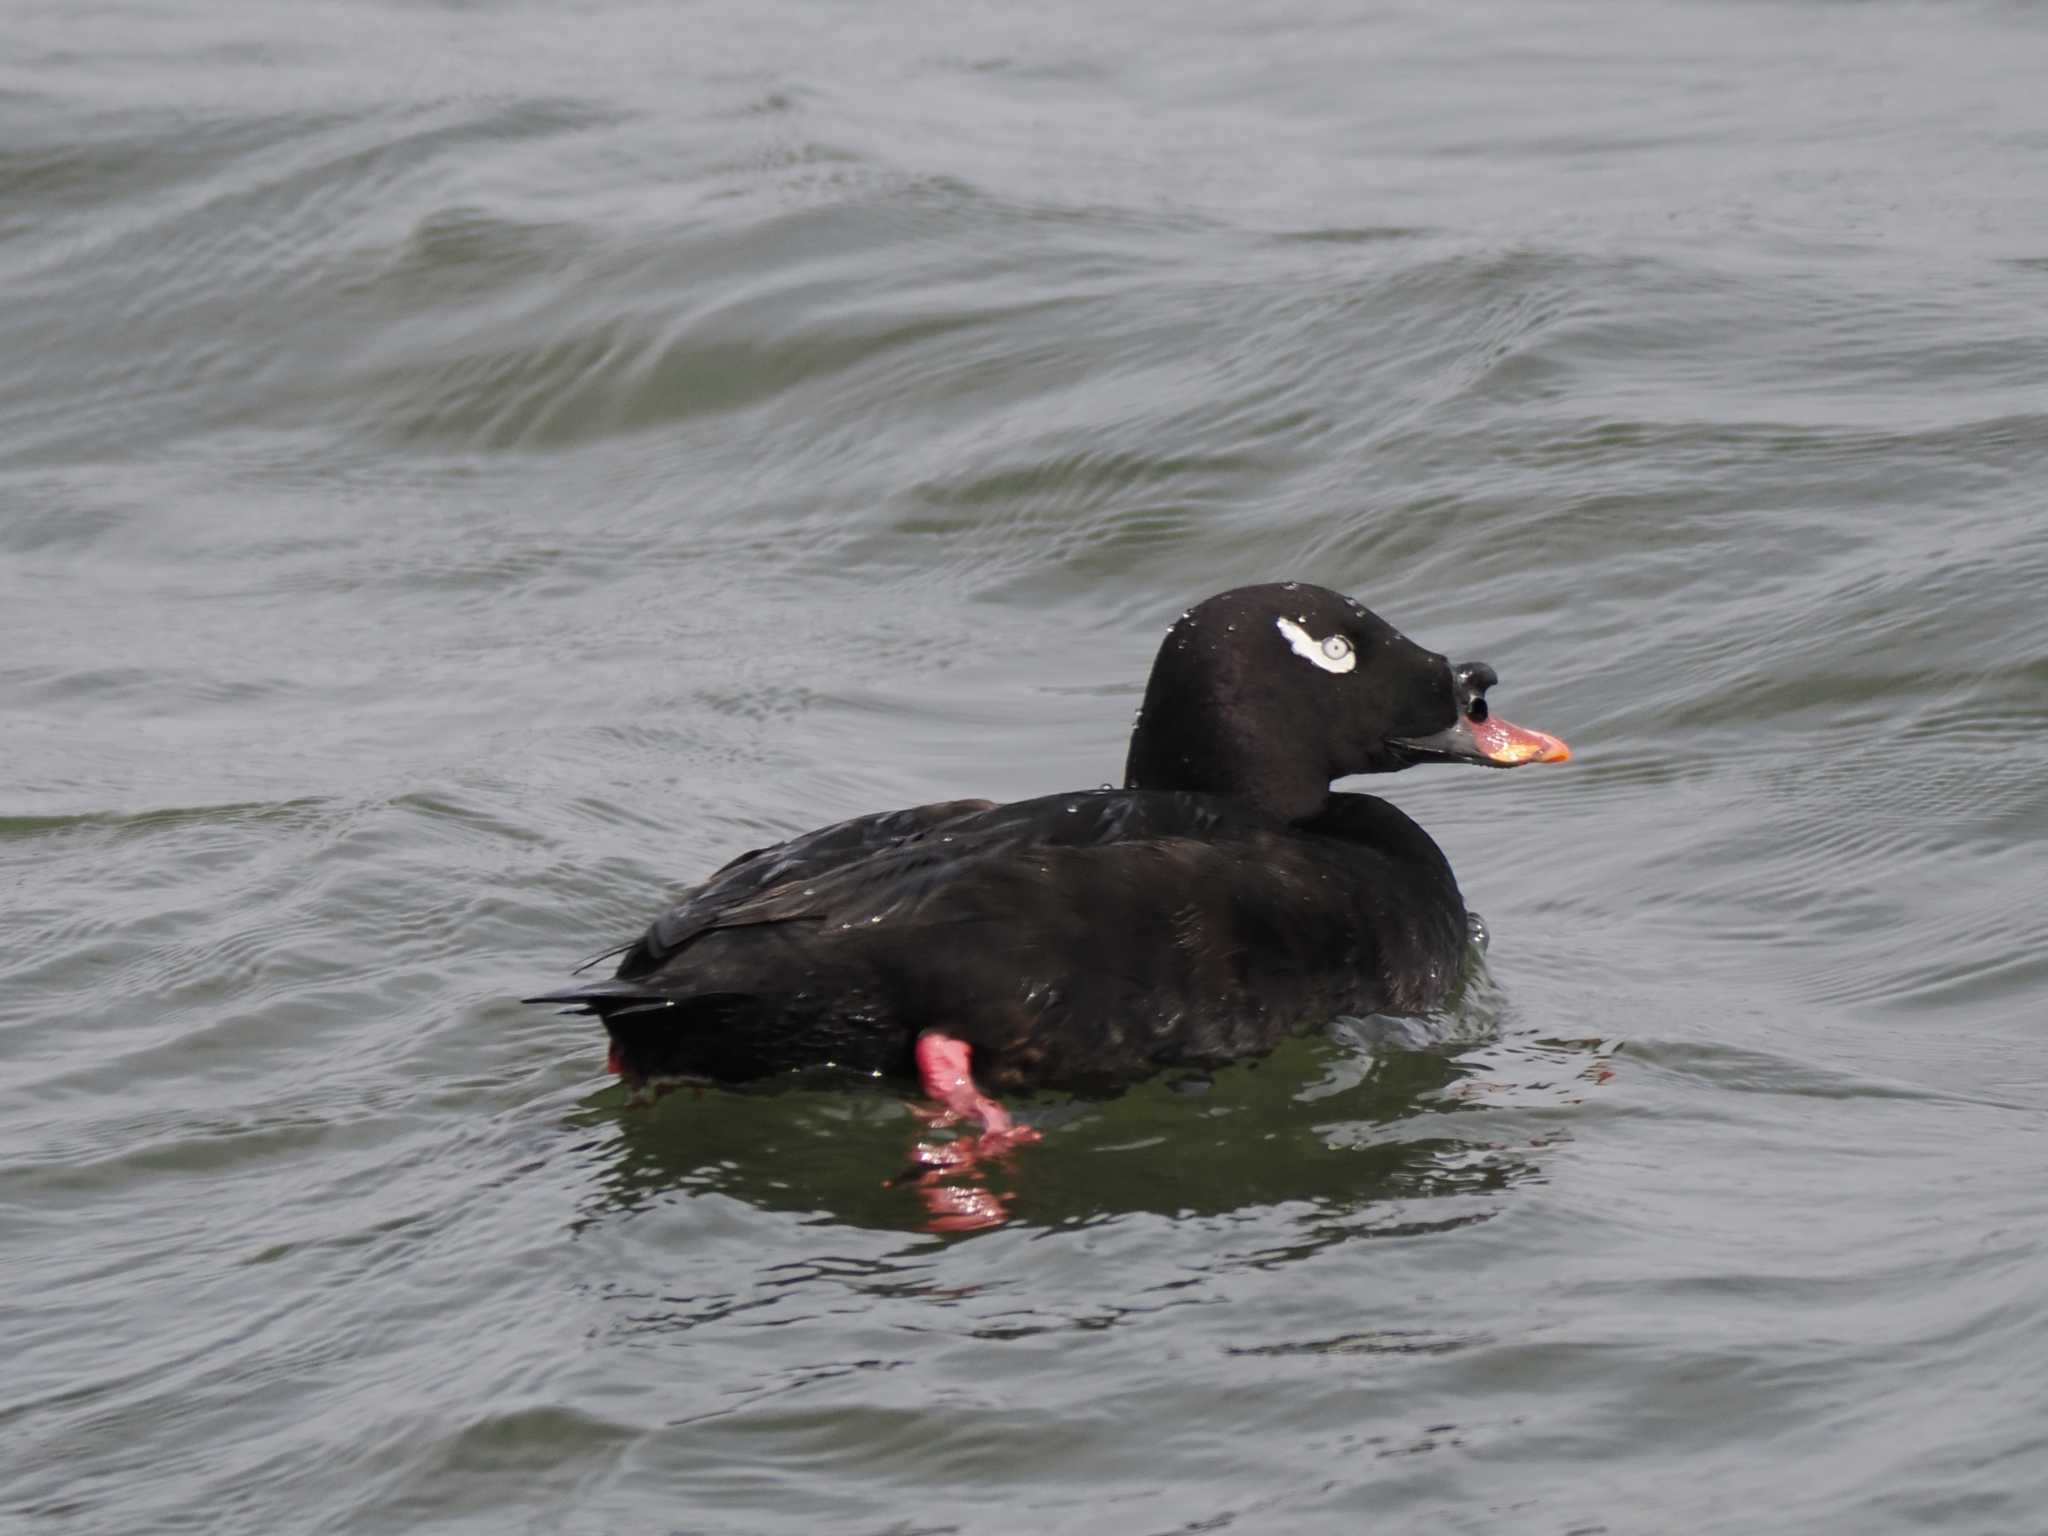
463,482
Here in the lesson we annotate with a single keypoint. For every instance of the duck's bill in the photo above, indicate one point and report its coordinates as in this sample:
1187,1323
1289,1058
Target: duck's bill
1492,743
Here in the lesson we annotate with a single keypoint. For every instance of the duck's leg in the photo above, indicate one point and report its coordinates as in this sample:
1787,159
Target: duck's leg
943,1068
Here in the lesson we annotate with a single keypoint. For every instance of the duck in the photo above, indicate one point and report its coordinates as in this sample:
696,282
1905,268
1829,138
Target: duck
1225,898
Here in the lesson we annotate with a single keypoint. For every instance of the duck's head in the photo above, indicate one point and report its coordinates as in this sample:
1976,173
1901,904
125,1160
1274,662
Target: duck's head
1268,693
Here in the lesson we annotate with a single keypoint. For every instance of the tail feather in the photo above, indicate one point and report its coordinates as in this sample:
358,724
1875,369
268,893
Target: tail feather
608,999
619,999
696,1034
610,954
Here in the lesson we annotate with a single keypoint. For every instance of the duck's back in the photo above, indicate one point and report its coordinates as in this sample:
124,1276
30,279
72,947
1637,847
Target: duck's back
1073,941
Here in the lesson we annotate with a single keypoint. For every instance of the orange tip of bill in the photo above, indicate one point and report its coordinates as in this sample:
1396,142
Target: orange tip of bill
1512,745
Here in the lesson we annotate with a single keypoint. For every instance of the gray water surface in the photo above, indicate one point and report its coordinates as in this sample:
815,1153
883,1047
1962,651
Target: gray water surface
467,471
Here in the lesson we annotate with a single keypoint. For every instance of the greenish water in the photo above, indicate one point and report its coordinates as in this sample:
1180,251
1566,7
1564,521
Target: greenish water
467,471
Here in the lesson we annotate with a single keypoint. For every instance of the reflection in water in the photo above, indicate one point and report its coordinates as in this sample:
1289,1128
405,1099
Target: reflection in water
1382,1138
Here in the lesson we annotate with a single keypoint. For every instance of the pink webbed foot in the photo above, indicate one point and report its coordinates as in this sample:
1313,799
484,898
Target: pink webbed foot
943,1068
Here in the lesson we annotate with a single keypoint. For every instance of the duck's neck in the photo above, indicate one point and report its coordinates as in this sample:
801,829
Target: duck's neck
1385,826
1167,754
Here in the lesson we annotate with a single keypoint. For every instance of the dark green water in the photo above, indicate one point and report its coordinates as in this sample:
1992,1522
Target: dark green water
466,471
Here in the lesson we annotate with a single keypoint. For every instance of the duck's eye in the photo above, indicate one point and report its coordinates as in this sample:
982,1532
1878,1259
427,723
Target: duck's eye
1332,654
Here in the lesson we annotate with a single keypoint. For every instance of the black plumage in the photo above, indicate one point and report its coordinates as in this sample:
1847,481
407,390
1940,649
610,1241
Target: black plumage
1223,899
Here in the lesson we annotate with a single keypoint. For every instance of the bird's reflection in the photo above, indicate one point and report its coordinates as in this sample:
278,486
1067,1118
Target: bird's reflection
1344,1120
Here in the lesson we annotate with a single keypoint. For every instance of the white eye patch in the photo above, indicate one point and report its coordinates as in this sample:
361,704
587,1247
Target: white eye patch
1333,654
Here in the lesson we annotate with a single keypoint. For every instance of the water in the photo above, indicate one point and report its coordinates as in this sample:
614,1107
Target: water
467,471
